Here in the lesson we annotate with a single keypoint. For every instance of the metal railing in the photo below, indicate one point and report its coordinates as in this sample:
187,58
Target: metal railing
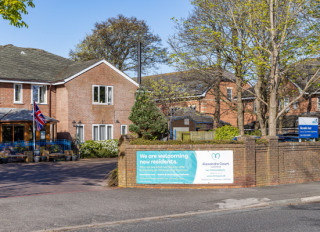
53,146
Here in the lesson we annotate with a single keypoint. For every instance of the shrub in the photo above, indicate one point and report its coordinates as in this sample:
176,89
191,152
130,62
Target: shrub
99,149
226,133
254,133
179,142
113,178
148,121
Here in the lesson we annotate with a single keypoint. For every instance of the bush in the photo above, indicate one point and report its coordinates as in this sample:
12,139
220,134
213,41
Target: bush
147,120
179,142
113,178
99,149
254,133
226,133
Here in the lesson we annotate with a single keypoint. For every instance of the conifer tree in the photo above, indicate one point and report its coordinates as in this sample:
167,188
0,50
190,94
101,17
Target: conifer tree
148,121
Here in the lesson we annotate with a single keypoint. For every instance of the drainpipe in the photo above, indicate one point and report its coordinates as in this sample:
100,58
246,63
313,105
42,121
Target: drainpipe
50,100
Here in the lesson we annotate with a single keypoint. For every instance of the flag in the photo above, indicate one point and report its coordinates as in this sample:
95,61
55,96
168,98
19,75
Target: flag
38,117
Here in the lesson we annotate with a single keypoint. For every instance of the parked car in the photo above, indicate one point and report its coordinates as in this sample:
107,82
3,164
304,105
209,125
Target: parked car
288,137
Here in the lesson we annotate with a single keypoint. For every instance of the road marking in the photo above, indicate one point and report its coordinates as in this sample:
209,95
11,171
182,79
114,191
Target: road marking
127,221
186,214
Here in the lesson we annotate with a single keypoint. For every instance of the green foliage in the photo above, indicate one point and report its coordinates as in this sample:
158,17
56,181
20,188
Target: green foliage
54,148
19,148
262,141
12,10
166,92
116,41
179,142
113,178
148,121
254,133
226,133
99,149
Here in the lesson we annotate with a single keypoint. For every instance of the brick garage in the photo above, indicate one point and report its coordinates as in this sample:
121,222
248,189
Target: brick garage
267,164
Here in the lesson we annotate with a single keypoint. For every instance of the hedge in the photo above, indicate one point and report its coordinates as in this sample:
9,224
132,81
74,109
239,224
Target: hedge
178,142
99,149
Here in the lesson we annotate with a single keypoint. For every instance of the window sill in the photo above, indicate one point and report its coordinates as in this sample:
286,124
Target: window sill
18,103
102,104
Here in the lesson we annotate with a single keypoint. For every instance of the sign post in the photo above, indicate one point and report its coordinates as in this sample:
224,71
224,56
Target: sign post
308,128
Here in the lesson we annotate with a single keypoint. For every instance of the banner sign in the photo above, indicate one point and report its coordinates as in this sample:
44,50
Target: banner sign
185,167
308,128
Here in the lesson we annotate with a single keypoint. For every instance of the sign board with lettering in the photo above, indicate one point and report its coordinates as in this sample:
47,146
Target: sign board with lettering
308,128
185,167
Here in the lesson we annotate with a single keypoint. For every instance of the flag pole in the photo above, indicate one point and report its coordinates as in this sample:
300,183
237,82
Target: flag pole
33,129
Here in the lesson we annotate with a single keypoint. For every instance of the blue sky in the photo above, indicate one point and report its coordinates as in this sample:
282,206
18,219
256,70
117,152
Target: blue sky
58,25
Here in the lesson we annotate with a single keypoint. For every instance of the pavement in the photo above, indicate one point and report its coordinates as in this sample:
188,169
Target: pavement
96,205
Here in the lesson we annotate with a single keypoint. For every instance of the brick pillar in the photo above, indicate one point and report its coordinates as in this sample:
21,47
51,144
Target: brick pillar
273,158
250,161
124,141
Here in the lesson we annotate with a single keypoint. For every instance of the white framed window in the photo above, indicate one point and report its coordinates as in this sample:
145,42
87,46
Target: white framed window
254,107
295,105
80,132
41,97
286,102
229,93
318,103
17,96
123,129
102,132
194,107
186,122
102,94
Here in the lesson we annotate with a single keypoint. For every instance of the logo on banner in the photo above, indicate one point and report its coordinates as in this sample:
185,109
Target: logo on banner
215,156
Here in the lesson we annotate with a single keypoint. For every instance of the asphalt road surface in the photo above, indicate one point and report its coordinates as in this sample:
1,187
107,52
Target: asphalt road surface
24,179
293,218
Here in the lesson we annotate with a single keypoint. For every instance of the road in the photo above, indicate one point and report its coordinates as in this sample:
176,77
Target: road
74,196
294,218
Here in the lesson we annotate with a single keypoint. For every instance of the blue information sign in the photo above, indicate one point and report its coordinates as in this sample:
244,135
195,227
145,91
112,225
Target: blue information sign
308,128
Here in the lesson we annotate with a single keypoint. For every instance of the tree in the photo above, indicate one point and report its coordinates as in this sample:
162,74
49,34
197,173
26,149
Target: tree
261,39
116,41
282,34
148,121
12,10
166,93
208,42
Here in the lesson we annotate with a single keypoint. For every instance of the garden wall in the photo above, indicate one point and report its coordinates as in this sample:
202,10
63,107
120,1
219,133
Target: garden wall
254,164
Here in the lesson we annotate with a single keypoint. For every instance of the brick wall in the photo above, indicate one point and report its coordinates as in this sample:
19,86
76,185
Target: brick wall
254,164
74,102
7,93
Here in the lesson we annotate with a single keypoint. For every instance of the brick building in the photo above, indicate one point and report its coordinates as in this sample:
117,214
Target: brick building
201,95
91,98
